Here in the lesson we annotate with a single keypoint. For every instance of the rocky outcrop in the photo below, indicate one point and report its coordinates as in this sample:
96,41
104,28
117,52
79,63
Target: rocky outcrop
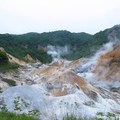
2,49
28,58
13,59
60,80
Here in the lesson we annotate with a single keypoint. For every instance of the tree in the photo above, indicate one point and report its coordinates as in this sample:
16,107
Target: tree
3,58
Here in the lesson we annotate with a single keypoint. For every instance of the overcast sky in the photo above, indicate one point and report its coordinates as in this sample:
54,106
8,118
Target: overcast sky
91,16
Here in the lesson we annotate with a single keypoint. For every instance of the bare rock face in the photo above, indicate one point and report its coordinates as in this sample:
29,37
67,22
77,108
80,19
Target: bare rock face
29,58
2,49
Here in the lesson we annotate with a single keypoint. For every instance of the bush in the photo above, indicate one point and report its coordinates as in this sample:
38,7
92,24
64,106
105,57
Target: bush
9,81
3,58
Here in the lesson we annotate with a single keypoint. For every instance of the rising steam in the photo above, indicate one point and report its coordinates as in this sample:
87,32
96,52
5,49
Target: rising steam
97,71
57,51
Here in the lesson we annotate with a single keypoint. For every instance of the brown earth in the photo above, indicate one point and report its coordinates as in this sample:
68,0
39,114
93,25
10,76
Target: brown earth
108,66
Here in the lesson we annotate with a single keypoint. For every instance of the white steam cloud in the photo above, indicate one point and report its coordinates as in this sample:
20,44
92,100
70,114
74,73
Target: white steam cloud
87,69
57,51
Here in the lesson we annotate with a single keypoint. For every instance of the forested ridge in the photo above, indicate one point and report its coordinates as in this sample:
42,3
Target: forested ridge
79,44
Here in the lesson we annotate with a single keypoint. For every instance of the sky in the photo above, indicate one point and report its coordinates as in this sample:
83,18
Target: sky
91,16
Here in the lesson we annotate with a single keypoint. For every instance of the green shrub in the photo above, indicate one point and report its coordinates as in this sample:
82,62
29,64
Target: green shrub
3,58
17,107
9,81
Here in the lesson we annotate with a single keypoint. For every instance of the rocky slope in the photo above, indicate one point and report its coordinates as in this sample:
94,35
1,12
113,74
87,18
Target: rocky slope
80,87
108,66
13,59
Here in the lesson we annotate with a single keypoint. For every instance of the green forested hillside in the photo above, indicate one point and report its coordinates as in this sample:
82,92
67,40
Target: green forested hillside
80,44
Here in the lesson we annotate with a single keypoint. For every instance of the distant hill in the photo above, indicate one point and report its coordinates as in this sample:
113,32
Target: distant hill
36,44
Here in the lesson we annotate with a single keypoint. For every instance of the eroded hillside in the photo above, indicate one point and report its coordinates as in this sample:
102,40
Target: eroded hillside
81,87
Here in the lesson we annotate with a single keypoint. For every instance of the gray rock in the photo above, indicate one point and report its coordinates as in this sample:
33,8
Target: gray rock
115,89
92,95
89,103
58,84
49,86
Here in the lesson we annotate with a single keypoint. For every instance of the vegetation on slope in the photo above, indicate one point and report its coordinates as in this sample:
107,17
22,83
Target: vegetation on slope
34,44
9,81
9,67
5,66
3,58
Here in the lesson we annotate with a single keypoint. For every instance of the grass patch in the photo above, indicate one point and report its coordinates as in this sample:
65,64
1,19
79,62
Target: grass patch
9,81
9,67
14,116
99,116
72,117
